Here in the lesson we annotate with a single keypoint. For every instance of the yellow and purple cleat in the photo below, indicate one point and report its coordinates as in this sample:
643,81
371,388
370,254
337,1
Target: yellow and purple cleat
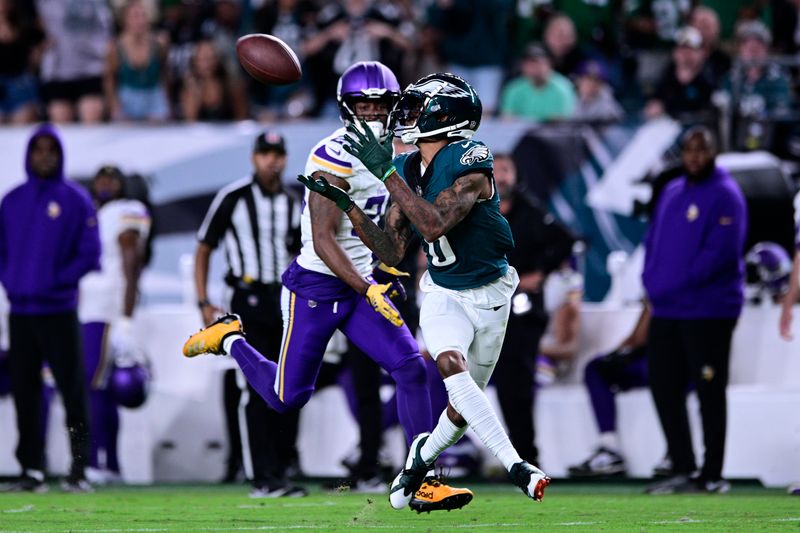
209,339
435,495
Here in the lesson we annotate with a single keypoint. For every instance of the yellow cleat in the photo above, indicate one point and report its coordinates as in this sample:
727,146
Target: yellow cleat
209,339
435,495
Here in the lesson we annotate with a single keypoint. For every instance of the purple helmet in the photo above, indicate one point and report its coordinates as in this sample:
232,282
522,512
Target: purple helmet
772,266
129,383
367,81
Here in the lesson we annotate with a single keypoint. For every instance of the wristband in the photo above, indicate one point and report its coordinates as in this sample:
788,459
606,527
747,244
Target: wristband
203,303
388,173
349,207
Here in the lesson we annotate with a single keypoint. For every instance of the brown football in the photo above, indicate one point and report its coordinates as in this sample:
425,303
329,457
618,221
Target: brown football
268,59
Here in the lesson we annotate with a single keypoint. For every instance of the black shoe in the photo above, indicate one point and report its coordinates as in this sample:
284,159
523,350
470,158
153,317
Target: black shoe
529,479
680,484
663,468
603,462
76,485
29,481
282,490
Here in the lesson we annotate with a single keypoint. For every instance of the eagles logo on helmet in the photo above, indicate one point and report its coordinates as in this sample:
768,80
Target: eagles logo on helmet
438,106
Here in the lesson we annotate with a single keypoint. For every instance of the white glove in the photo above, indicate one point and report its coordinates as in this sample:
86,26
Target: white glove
121,341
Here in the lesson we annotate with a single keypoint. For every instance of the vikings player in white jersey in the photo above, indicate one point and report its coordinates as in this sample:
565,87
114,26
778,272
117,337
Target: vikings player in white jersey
329,287
106,305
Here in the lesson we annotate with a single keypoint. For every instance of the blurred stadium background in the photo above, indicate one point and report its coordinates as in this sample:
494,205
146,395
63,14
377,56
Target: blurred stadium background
590,155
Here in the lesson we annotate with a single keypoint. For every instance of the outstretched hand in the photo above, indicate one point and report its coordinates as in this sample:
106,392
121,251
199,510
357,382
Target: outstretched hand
374,154
331,192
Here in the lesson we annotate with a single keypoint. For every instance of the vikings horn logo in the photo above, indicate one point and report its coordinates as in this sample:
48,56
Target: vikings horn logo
475,154
434,87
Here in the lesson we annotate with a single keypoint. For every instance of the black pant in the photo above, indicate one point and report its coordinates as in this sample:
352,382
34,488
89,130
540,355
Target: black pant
513,379
683,353
55,339
270,436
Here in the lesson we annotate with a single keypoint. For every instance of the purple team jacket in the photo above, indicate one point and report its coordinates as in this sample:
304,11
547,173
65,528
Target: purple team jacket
694,249
48,240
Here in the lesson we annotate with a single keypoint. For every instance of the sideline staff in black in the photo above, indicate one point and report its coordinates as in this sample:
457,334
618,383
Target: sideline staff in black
258,221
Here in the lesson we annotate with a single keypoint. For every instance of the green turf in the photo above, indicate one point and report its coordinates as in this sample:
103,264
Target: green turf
495,508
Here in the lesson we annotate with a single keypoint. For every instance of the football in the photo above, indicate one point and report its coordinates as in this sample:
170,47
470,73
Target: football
268,59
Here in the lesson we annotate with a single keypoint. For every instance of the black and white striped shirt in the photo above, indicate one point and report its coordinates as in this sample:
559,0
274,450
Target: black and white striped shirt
260,230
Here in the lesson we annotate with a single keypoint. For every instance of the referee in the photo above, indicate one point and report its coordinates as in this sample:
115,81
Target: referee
258,222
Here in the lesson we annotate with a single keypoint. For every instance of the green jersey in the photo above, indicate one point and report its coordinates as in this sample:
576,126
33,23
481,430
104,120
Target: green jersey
473,252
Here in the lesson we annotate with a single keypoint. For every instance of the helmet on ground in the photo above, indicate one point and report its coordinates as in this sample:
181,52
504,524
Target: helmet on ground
437,106
771,265
368,81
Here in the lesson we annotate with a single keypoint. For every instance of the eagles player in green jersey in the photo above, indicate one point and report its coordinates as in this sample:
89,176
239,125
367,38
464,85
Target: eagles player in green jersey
445,193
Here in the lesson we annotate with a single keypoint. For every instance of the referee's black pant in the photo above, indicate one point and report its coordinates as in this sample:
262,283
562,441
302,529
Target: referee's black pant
267,438
682,353
513,378
56,339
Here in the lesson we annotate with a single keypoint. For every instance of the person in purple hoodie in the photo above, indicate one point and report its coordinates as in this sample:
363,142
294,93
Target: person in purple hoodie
694,278
48,241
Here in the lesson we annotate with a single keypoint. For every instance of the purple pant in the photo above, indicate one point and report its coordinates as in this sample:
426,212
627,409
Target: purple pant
604,380
308,326
103,415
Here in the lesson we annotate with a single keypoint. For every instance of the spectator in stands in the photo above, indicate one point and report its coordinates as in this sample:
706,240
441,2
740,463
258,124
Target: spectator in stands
541,245
290,21
20,47
78,36
605,375
48,242
539,93
707,23
209,92
349,32
654,23
223,27
790,299
596,100
475,42
786,26
686,85
561,42
181,21
135,80
694,279
757,88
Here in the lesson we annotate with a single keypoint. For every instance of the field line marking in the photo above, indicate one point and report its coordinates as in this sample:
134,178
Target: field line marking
23,509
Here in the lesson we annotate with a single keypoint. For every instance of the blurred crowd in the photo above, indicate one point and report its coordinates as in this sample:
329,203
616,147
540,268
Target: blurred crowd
601,60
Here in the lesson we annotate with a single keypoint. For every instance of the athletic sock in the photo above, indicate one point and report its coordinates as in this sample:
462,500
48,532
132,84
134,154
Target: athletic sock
259,371
610,441
444,435
472,404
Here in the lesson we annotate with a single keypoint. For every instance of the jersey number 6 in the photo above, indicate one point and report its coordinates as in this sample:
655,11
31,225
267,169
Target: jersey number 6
442,255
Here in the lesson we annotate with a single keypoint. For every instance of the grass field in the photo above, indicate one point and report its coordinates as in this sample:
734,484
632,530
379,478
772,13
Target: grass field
495,508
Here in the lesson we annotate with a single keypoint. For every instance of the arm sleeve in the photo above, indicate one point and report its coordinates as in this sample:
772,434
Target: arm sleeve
86,252
724,244
217,219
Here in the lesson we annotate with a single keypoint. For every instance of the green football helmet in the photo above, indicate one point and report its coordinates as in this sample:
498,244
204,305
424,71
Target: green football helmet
437,106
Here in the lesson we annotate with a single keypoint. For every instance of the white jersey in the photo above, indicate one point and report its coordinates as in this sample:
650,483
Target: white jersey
101,293
367,191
